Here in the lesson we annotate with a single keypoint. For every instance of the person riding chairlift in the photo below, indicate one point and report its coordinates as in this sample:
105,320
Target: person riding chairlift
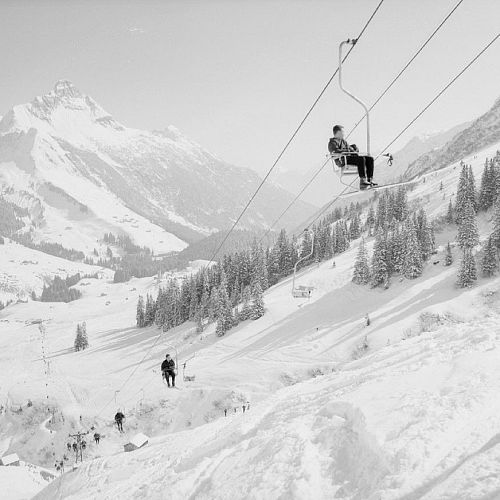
365,164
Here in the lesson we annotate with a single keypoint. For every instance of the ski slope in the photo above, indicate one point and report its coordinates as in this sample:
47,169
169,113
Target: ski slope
416,416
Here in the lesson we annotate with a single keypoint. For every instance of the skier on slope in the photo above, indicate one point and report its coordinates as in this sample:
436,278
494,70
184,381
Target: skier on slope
119,420
338,145
168,370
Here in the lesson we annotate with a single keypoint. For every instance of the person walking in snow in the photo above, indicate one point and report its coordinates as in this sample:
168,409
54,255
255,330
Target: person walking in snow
168,370
97,437
119,420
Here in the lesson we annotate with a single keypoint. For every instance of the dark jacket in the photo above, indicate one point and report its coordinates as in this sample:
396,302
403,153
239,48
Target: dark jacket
340,146
119,416
168,365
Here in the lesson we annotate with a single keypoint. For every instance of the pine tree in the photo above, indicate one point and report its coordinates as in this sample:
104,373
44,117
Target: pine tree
380,268
78,338
495,235
85,339
425,235
199,322
487,190
140,315
471,189
225,312
361,274
467,274
412,265
448,259
450,216
468,235
489,262
246,309
462,194
370,218
257,307
81,339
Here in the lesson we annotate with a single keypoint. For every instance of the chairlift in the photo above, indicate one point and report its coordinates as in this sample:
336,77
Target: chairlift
187,378
339,160
302,291
171,346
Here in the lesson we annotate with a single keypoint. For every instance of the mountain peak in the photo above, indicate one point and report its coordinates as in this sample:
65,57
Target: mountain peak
63,111
65,88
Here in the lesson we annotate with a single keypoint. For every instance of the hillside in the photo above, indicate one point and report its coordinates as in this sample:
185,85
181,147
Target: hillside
413,150
394,423
481,133
80,173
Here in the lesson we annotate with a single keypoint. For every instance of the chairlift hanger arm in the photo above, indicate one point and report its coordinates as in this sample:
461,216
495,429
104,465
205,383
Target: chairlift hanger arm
351,95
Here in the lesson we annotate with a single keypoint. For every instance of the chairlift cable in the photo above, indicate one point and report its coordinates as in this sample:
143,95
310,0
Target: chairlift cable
292,137
379,98
424,109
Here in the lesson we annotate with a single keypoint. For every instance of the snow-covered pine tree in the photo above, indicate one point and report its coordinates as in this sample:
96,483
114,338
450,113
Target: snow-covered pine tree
78,338
150,311
140,314
468,234
397,248
246,309
355,227
489,262
370,218
425,235
450,216
471,189
380,267
467,274
448,259
412,265
381,214
225,312
257,306
85,338
462,194
199,322
258,265
495,235
487,189
361,274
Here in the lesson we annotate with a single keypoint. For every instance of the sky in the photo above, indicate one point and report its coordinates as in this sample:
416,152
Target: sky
238,76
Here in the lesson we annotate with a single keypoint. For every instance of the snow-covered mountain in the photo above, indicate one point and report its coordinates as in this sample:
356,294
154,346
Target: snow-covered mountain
478,135
81,173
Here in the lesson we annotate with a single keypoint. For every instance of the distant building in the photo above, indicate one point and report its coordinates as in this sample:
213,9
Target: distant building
138,441
12,460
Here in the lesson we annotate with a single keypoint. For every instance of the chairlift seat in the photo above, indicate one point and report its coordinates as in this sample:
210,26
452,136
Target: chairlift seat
339,161
302,291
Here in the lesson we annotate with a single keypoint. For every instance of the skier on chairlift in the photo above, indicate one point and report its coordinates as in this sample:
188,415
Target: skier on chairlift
365,163
119,417
168,370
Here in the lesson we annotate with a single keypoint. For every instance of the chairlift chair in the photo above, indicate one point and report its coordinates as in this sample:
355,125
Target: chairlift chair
340,164
187,378
302,291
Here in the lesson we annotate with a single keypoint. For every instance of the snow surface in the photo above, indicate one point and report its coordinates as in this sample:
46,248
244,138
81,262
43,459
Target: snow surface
416,416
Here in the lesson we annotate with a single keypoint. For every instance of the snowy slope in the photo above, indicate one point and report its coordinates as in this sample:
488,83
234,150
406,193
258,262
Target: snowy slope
90,173
413,418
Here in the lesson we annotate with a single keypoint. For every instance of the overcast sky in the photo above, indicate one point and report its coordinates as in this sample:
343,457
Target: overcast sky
237,76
